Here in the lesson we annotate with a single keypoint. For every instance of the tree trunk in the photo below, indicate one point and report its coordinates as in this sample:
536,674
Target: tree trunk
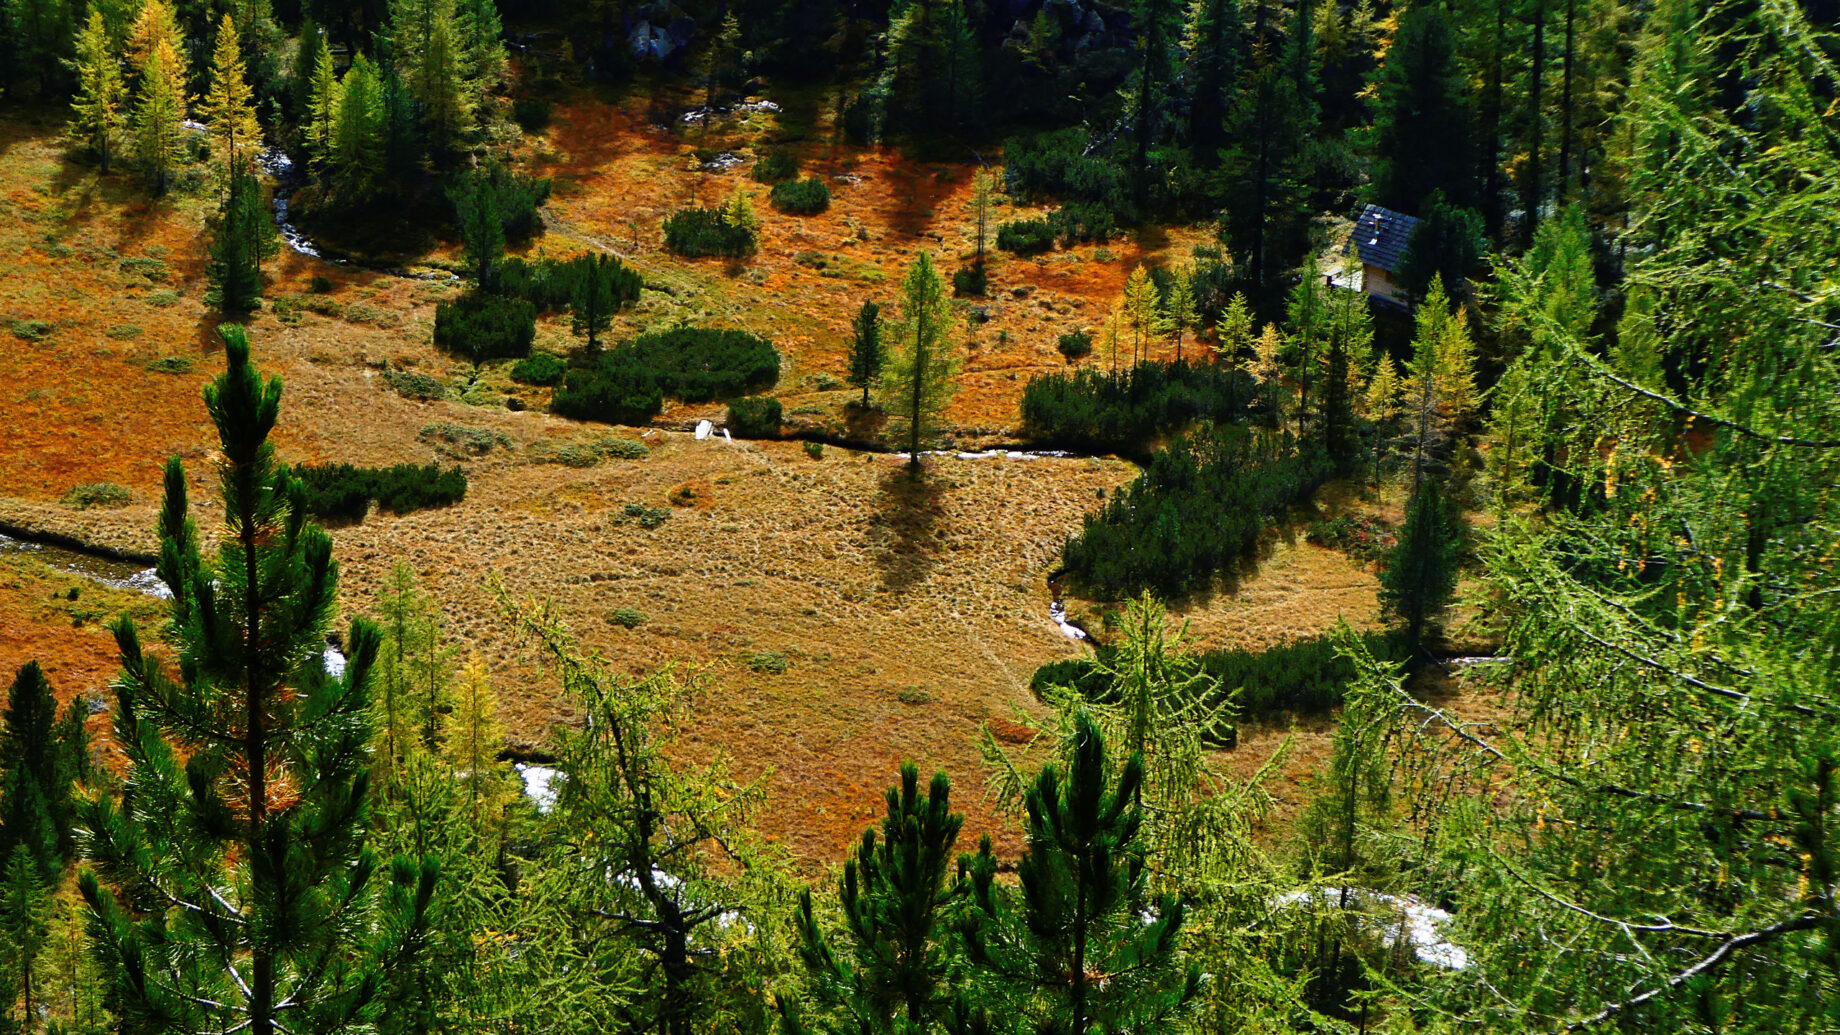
1530,201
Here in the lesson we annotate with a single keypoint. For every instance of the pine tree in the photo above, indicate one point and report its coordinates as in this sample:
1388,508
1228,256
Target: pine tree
98,105
1307,314
239,892
40,33
866,353
482,227
894,893
917,377
1421,572
595,297
1447,244
245,236
35,790
1261,180
483,54
1423,134
228,107
1216,53
25,916
1087,948
158,116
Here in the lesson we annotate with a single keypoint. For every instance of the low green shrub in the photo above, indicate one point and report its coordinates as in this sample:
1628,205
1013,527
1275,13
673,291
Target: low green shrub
1309,676
171,365
628,383
152,269
1026,236
755,417
766,662
815,450
550,284
805,197
626,617
30,330
482,326
105,495
539,368
344,492
1363,538
163,298
776,165
124,332
1199,506
1090,409
1075,345
459,440
416,387
530,113
644,516
971,281
696,232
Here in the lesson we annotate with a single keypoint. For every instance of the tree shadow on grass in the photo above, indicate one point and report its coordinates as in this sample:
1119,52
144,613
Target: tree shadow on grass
904,534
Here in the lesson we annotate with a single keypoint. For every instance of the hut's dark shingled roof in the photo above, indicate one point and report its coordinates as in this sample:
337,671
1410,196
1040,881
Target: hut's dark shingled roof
1381,234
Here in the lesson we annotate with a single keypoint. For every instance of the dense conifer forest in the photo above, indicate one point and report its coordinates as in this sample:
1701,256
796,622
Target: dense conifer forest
1527,312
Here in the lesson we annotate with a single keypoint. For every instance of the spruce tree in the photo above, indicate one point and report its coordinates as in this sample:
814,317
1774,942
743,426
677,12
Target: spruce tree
1421,572
234,889
1087,948
25,915
595,296
245,236
482,226
917,377
894,893
866,354
1423,135
35,793
98,119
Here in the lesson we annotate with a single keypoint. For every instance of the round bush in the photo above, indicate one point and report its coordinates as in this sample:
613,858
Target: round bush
539,368
805,197
1026,236
776,165
481,327
755,417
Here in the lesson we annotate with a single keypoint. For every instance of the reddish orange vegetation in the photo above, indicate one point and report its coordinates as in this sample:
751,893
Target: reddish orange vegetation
879,593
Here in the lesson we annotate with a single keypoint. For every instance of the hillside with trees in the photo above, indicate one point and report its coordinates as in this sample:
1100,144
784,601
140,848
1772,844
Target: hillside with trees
919,516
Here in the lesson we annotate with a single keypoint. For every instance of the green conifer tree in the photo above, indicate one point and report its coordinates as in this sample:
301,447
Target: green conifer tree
245,235
1421,572
35,793
866,353
595,296
1087,948
894,894
98,120
234,889
1423,127
158,115
482,226
917,377
25,916
357,140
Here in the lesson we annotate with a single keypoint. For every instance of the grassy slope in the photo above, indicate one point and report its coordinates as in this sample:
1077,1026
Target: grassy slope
869,587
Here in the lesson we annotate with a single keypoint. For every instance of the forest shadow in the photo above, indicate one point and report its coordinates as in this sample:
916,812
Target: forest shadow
905,527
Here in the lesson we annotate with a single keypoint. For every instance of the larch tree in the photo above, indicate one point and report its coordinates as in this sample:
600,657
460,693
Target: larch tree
322,105
1182,314
228,109
155,26
233,886
158,116
1144,312
358,137
472,738
98,116
917,379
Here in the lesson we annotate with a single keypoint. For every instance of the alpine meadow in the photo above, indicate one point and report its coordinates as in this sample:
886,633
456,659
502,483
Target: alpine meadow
919,517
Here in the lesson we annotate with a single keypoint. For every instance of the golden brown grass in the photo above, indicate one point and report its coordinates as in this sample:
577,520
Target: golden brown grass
868,583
